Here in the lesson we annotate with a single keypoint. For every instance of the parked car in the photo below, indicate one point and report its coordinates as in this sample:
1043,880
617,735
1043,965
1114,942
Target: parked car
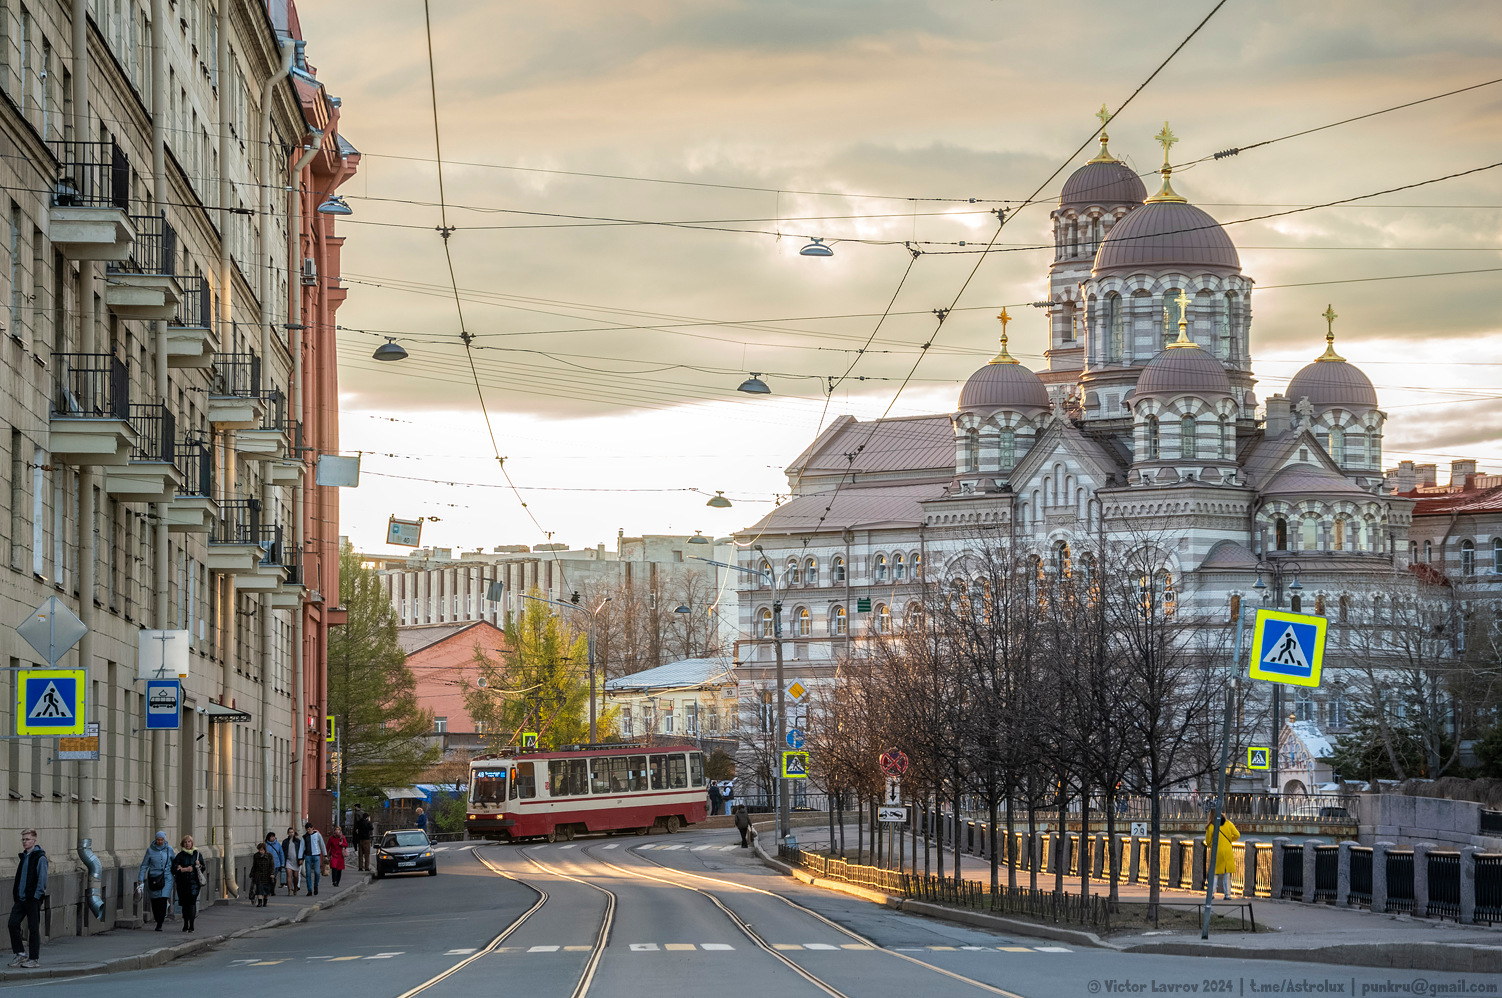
1316,810
406,850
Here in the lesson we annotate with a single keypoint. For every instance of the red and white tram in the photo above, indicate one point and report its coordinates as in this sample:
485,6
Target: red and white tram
558,793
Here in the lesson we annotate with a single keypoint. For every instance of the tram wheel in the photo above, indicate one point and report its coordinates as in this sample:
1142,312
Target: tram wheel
671,824
644,829
552,835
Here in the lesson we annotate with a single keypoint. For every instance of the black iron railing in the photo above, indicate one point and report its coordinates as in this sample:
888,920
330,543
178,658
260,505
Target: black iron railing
196,459
271,544
1444,885
1489,887
91,385
91,175
1361,875
1400,882
1491,822
155,248
292,562
1290,809
196,311
156,432
1293,871
237,374
276,411
239,522
1326,873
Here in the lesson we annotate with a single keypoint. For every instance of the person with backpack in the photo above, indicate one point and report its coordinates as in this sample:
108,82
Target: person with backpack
190,873
155,878
278,862
27,892
743,824
364,831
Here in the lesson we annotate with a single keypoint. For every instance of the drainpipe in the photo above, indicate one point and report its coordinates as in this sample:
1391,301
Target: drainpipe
267,317
226,336
295,331
161,571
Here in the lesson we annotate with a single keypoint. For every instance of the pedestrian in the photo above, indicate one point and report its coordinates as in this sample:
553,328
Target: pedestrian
155,878
27,892
422,819
743,824
190,873
292,850
278,861
314,851
262,875
715,798
364,832
337,844
1225,858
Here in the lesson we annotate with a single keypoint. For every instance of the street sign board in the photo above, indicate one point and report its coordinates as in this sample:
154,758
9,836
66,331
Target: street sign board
894,790
164,699
863,604
797,690
795,738
892,815
1139,829
407,533
795,765
328,728
50,702
52,629
162,654
335,471
1288,647
529,739
80,748
1258,758
893,762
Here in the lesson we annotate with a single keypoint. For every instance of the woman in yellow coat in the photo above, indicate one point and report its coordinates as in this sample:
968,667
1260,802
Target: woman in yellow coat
1225,858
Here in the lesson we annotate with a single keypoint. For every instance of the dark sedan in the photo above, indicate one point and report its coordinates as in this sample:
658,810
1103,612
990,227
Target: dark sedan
406,851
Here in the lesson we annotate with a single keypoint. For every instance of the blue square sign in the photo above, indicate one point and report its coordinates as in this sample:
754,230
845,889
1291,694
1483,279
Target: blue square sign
1288,648
50,702
164,697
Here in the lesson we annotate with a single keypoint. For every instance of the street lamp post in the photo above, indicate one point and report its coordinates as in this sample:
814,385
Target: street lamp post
589,644
783,812
1277,569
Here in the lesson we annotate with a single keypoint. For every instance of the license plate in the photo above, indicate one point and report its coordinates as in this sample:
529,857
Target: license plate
409,862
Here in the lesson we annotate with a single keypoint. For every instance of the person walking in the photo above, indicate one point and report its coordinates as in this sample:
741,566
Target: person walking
422,819
278,861
262,875
364,831
26,893
314,850
715,798
1225,857
189,871
155,878
337,844
292,850
743,824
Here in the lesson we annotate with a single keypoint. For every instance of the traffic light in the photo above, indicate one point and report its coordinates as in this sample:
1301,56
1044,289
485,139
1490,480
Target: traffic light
328,727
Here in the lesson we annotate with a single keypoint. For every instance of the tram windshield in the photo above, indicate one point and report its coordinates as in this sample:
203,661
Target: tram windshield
487,786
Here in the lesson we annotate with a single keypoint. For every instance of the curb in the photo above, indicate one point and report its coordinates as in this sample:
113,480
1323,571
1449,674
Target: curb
166,954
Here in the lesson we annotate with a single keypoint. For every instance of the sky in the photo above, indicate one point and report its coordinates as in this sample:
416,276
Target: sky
608,345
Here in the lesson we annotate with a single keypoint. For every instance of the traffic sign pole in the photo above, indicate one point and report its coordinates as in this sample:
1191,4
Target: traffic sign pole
1225,764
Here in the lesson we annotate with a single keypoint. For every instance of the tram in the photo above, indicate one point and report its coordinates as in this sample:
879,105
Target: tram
554,794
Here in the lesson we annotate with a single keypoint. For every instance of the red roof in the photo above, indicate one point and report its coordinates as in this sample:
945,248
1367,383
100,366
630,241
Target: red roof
1463,503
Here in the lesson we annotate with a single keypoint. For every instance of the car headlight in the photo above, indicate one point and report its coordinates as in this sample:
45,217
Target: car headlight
382,854
428,854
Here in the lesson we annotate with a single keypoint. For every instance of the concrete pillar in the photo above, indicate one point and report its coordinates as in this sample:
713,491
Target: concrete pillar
1201,857
1175,862
984,828
1098,860
1310,851
1134,860
1343,876
1468,885
1279,845
1379,876
1248,869
1421,878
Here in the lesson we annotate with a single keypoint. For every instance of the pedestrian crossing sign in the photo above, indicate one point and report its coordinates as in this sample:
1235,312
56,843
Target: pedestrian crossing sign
795,765
1288,648
1257,758
50,702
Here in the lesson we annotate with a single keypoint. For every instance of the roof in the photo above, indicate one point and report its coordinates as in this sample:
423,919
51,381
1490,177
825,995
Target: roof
1106,183
1186,371
1313,739
688,672
1229,554
415,638
1003,386
1333,383
903,444
1460,503
1299,479
864,506
1166,235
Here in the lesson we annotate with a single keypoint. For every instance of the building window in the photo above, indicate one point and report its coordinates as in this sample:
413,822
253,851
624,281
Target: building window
805,622
766,623
1338,445
883,618
1008,439
794,573
440,725
1115,333
1467,558
1497,556
1310,530
917,561
1152,438
1186,438
837,569
1170,316
1061,560
899,568
626,723
841,621
1280,534
1235,608
765,578
972,450
811,572
881,568
1223,445
1428,553
1339,543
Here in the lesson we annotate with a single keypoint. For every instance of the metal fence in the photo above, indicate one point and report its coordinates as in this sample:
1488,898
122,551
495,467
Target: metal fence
1444,885
271,544
1400,882
237,374
196,310
1293,871
91,385
156,432
155,248
1326,873
1361,875
1292,809
833,868
91,175
239,522
1489,887
767,803
196,459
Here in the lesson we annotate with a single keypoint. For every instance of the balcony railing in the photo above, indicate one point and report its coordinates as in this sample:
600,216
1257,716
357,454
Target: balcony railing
91,385
91,175
197,308
271,545
237,374
196,459
156,430
155,248
292,562
276,412
239,522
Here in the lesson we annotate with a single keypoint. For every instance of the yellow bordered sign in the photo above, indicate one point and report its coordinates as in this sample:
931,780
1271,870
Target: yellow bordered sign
1258,758
795,765
50,701
1288,648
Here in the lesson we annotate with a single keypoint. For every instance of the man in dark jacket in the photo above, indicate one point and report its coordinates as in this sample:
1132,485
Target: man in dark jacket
26,894
364,831
743,823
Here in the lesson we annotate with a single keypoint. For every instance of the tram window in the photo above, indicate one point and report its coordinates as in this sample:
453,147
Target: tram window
568,777
696,769
659,772
636,778
610,774
487,786
677,772
526,781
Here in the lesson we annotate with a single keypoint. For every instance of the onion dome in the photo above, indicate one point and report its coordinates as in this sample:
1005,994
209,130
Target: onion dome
1105,180
1331,381
1003,383
1166,233
1183,368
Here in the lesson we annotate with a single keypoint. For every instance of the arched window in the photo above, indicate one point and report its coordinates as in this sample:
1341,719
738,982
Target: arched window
794,573
917,562
837,570
880,570
1428,553
811,572
1467,557
972,450
1187,447
883,618
1170,316
1309,531
805,621
912,617
1319,604
1115,332
1338,445
1008,440
1224,331
1280,534
840,622
1152,438
765,578
1062,563
1497,556
1235,608
766,623
899,568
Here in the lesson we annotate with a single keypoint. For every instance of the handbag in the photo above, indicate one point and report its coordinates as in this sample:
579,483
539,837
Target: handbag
156,881
198,869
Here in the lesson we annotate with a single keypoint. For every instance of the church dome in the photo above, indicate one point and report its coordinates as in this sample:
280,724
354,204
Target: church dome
1004,386
1331,381
1188,371
1166,235
1102,182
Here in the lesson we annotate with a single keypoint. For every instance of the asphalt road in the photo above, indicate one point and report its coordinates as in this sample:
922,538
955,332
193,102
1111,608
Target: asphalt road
684,914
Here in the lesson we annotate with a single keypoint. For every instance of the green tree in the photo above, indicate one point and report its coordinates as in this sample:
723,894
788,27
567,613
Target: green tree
372,694
541,684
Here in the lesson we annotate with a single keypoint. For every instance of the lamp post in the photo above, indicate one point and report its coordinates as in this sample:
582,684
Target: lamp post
783,814
1277,569
589,643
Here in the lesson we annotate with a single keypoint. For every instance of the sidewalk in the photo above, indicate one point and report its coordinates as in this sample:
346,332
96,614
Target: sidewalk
1313,933
137,949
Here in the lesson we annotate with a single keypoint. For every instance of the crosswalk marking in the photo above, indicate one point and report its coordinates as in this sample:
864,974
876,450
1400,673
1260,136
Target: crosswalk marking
716,946
577,949
819,946
668,848
855,946
643,947
941,948
341,959
974,949
701,848
613,845
267,963
729,847
385,956
678,947
786,946
460,952
1014,949
1052,949
543,949
569,846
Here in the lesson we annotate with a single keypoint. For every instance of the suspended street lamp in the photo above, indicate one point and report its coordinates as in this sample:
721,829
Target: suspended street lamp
390,350
754,385
335,205
698,538
719,501
815,247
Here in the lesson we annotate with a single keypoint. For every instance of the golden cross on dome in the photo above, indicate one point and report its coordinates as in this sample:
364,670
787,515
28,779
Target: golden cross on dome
1329,316
1003,357
1104,156
1183,341
1166,138
1103,115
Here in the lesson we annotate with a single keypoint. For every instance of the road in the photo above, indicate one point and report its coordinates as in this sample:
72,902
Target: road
630,917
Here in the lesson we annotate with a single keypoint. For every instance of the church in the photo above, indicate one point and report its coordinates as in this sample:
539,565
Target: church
1146,421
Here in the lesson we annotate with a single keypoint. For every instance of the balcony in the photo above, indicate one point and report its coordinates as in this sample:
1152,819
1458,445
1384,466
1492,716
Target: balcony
89,425
271,572
143,286
88,218
152,474
190,331
193,509
268,441
235,399
235,539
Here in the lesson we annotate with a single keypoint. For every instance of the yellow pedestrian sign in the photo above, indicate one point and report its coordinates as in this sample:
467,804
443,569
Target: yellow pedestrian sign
1258,758
795,765
1288,648
50,702
529,739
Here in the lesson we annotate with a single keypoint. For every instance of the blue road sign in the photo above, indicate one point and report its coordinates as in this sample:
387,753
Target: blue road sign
1288,648
50,702
164,699
795,738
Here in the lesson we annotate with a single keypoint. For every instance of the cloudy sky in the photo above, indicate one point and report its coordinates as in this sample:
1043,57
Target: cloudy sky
609,344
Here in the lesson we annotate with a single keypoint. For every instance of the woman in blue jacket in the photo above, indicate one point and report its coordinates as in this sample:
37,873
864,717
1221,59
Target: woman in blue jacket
156,877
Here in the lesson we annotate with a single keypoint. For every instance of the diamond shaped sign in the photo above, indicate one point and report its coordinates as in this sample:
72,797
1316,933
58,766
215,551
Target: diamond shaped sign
797,690
52,629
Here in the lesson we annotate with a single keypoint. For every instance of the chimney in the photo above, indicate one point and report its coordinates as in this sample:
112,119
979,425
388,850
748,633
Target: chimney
1459,472
1279,414
1428,474
1407,480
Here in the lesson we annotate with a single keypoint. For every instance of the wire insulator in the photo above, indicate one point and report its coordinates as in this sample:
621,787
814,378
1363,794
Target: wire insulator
1224,153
